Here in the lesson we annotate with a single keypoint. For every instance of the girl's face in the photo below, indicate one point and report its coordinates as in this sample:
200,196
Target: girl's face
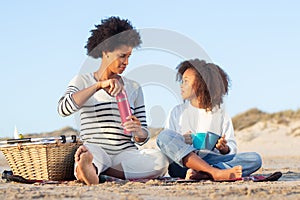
118,59
186,87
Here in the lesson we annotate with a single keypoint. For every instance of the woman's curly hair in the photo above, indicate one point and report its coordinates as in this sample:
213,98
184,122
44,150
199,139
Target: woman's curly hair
211,83
110,34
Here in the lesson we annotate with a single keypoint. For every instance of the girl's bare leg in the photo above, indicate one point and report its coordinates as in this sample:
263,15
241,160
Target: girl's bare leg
192,174
85,170
193,161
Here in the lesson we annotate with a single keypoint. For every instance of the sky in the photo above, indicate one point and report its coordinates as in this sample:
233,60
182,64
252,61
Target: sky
42,48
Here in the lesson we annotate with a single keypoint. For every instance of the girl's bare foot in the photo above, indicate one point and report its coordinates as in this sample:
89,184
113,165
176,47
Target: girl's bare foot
85,170
226,174
194,175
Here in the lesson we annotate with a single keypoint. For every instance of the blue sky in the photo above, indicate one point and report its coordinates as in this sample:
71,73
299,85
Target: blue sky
42,48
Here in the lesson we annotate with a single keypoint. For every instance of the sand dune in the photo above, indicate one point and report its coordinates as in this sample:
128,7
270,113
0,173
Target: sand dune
270,139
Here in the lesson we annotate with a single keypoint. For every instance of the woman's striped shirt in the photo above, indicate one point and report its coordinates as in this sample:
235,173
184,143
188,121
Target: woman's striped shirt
100,121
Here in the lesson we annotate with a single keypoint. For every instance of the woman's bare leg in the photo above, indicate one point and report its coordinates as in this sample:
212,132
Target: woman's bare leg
193,161
85,170
116,171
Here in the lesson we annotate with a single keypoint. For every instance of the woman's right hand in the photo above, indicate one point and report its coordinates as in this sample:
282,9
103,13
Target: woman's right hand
188,137
111,86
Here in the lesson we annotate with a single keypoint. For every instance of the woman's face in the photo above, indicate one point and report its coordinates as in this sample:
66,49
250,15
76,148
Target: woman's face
118,59
186,87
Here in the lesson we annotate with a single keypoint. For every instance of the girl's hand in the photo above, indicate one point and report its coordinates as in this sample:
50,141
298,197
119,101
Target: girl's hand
188,137
111,86
222,145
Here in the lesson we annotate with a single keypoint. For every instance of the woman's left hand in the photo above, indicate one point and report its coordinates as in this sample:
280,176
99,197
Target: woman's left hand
222,145
133,125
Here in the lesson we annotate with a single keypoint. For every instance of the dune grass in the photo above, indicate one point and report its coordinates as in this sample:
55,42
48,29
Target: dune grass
254,115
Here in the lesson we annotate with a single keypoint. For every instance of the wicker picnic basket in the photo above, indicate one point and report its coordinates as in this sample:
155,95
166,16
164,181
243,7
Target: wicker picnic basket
42,161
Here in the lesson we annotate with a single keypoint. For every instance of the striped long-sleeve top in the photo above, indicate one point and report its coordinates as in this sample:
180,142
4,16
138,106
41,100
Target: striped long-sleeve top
100,121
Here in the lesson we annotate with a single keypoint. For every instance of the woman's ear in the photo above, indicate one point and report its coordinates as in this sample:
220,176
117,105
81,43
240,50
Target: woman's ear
105,54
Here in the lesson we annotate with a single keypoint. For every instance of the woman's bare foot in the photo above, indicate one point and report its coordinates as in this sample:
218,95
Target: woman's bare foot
226,174
85,170
194,175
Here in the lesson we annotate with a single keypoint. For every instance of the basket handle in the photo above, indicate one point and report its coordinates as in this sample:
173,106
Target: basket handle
22,140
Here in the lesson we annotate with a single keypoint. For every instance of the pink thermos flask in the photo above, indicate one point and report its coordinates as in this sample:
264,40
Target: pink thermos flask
124,107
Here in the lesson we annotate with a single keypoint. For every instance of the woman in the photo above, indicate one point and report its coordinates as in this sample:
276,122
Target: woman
107,149
203,86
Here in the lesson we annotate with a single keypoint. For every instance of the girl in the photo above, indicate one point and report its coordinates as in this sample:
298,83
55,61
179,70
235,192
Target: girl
203,86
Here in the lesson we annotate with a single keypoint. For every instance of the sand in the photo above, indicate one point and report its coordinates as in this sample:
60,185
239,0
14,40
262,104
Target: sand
279,152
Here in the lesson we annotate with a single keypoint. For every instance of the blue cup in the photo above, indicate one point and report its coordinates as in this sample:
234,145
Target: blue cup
205,140
199,140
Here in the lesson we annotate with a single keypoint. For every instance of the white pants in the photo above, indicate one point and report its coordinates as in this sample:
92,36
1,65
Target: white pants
146,163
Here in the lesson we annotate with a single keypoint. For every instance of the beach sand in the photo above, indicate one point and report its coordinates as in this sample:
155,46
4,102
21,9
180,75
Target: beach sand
277,154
